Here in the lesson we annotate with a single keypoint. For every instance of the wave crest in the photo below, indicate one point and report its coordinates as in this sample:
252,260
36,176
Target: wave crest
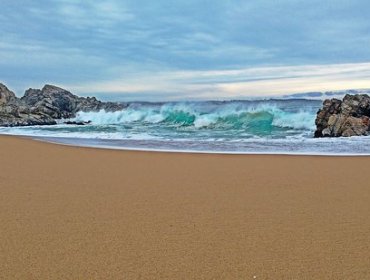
201,116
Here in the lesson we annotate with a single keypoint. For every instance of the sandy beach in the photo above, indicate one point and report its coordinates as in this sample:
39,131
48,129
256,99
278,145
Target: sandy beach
84,213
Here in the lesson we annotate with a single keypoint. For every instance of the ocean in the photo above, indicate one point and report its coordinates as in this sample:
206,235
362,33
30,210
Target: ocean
251,127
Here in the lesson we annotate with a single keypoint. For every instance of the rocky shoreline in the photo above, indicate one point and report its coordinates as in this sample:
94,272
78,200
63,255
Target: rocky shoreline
347,117
336,118
47,105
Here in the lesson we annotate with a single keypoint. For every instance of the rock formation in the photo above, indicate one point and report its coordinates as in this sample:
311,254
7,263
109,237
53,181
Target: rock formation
350,117
6,95
45,106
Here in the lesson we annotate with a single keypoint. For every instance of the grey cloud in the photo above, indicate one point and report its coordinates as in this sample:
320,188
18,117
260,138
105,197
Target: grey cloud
74,41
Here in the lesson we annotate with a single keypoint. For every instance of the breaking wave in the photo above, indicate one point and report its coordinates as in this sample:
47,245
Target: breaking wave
258,126
238,116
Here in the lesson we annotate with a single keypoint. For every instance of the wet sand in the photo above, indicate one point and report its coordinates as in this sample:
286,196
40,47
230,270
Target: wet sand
84,213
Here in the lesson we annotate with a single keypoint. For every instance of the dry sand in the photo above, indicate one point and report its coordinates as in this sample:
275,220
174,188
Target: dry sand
82,213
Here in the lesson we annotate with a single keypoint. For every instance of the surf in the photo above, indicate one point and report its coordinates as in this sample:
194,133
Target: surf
207,115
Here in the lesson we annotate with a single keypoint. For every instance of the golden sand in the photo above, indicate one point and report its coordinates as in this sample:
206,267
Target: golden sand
83,213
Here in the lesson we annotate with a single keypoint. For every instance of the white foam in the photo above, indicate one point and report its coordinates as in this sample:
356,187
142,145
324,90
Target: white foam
203,117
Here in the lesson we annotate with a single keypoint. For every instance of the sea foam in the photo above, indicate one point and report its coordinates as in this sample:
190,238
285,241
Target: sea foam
268,126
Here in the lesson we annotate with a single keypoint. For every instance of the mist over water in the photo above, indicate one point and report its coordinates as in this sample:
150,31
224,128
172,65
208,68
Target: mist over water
266,126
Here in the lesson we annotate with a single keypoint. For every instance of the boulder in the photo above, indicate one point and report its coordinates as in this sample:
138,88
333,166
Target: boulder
350,117
330,107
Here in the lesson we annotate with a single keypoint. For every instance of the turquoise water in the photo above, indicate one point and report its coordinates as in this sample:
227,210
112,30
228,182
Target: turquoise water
265,126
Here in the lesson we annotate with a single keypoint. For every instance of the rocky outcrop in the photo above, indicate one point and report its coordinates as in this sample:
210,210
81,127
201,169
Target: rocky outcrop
13,112
350,117
6,95
60,103
45,106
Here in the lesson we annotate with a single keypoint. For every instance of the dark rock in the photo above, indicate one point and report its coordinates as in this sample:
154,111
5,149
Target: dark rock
13,112
350,117
330,107
60,103
77,123
45,106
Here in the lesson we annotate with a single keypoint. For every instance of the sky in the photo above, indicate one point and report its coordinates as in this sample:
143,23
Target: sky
185,49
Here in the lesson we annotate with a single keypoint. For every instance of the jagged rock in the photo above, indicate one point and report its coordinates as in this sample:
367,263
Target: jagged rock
356,105
45,106
349,117
355,126
6,95
60,103
13,112
330,107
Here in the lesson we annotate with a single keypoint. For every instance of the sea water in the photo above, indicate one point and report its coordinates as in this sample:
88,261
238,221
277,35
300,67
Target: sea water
258,126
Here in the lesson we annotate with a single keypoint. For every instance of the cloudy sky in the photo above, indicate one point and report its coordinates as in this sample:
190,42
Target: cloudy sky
185,49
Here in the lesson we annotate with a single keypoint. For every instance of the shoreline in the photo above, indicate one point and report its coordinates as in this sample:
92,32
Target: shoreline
67,142
75,212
